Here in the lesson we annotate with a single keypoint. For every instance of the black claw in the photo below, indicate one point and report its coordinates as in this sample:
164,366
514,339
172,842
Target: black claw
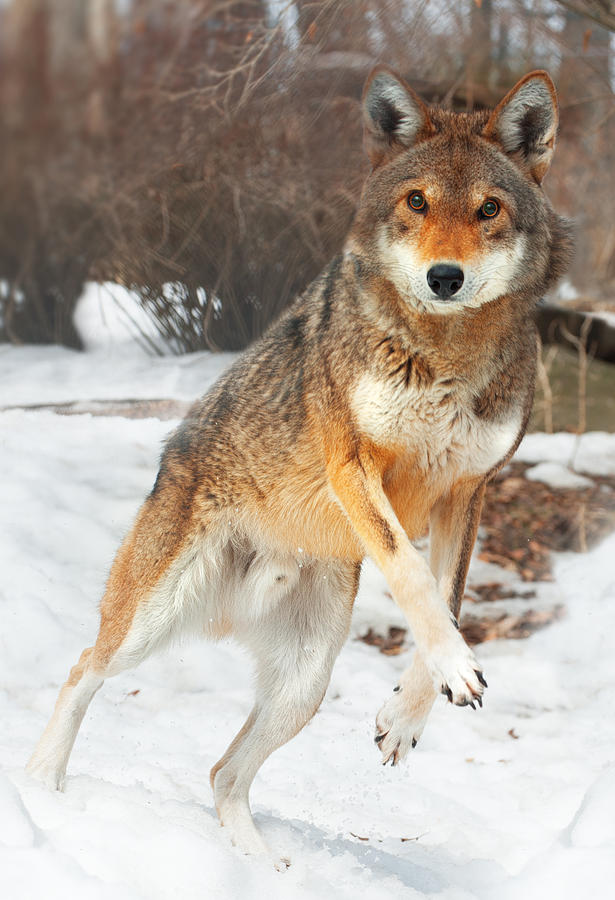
466,702
481,678
414,743
396,689
455,622
479,700
447,693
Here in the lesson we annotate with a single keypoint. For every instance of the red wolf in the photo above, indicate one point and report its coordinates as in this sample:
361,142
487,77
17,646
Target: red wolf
378,405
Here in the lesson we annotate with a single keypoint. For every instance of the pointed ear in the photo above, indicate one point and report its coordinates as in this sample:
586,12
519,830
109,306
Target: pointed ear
394,117
524,123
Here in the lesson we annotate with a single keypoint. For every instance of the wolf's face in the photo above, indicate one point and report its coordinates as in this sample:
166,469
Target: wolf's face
454,236
453,213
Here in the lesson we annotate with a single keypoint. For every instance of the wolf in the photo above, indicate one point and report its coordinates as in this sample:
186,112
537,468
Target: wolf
378,405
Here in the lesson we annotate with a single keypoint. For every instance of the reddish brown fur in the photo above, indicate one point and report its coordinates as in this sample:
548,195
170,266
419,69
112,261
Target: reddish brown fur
539,170
297,452
146,553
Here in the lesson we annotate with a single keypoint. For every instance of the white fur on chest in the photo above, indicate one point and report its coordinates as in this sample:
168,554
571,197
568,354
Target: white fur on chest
436,424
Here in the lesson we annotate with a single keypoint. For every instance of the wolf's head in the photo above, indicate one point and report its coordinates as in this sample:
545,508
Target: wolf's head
453,212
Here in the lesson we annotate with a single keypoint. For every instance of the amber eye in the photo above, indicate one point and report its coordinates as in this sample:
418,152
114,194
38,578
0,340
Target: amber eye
489,209
416,201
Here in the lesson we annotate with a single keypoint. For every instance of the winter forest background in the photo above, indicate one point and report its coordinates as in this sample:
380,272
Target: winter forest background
208,153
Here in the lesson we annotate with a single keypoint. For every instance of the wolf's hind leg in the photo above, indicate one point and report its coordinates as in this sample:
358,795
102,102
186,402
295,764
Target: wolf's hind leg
112,654
295,646
144,602
49,760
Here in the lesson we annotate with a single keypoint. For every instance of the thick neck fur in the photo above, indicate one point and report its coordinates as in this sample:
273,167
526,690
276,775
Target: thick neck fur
470,345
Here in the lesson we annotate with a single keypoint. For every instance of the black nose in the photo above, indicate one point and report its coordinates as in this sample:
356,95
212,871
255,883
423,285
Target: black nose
444,280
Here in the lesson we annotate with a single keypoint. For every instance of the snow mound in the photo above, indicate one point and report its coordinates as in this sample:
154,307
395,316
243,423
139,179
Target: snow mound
557,476
592,453
596,454
16,827
594,823
108,315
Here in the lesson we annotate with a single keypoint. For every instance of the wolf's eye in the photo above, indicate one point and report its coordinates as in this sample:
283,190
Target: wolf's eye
416,201
489,209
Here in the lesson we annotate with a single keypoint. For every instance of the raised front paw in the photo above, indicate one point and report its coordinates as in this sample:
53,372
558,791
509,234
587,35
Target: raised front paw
456,672
400,723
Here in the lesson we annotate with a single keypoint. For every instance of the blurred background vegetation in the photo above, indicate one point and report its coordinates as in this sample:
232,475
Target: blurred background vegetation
207,153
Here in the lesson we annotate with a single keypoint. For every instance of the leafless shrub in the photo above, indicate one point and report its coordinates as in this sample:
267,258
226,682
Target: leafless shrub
546,358
584,357
207,153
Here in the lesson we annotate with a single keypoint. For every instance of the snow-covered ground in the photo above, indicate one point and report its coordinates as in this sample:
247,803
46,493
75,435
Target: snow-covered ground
513,801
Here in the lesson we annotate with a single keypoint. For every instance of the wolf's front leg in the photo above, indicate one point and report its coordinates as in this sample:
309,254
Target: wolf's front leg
454,522
357,483
400,722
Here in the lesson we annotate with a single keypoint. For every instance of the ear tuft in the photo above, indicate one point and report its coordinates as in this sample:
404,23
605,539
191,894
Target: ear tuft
394,117
524,123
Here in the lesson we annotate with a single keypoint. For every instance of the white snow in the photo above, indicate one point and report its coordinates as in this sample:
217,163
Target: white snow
557,476
538,447
592,453
108,315
596,454
34,375
566,291
483,814
606,315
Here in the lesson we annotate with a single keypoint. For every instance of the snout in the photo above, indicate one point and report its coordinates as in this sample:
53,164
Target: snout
444,280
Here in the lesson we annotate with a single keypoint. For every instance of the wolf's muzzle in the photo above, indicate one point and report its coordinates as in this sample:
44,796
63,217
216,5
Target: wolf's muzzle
444,280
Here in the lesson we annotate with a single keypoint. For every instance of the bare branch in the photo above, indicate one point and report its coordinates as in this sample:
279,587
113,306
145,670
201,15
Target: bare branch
600,11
